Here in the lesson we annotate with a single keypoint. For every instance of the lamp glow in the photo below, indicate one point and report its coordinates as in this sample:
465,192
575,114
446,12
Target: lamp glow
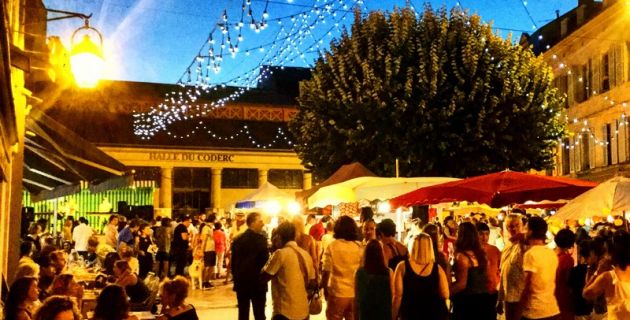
272,207
588,222
86,61
383,207
293,207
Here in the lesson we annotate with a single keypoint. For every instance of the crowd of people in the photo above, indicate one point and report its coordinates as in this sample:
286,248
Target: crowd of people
127,257
458,268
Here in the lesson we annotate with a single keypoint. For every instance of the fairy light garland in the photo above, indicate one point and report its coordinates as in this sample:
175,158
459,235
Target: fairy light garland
561,68
182,105
524,3
585,129
280,136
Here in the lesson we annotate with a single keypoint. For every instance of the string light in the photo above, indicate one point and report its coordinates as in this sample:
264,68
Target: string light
280,136
585,130
285,48
298,41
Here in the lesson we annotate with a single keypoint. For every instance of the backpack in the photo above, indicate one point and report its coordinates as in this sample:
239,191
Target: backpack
397,258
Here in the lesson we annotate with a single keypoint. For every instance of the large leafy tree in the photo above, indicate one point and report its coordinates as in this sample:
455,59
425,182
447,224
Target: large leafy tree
442,93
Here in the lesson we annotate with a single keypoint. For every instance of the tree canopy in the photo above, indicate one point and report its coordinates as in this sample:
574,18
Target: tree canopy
440,92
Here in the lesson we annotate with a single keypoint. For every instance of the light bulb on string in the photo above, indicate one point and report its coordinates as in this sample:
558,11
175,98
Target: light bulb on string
205,86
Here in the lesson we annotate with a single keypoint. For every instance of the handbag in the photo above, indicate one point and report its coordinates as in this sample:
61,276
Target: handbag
312,290
152,249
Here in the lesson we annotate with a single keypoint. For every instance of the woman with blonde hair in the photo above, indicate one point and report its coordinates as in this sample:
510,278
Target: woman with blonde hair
68,225
305,241
420,284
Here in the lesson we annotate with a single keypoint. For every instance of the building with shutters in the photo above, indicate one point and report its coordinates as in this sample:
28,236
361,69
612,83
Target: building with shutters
589,51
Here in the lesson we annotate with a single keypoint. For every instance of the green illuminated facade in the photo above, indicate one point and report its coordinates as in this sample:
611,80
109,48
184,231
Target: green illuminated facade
96,207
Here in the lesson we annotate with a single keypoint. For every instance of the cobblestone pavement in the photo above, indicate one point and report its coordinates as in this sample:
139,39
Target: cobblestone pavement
220,303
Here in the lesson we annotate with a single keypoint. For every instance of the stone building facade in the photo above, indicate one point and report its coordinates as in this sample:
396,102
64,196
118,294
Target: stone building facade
589,51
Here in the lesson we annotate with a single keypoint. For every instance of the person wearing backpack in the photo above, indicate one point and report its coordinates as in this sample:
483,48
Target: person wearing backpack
614,284
394,251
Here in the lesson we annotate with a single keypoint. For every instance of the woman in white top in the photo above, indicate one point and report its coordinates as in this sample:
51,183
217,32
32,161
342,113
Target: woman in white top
341,260
615,284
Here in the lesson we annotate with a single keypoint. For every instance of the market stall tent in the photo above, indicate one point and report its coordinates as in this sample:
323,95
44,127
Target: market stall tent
267,192
611,197
497,190
370,188
346,172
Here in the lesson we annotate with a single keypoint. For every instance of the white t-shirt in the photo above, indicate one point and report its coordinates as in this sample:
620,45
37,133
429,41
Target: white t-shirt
342,259
207,232
288,289
193,230
80,236
326,240
542,262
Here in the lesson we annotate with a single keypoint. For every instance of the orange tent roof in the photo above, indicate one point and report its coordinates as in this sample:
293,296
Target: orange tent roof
346,172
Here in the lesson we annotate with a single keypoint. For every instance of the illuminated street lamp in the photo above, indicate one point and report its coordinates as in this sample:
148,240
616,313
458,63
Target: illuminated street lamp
86,56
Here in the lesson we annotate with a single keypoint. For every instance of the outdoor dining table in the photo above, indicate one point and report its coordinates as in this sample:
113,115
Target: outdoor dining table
144,315
88,303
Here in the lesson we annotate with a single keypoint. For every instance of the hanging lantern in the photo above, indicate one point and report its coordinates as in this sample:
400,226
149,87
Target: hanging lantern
86,58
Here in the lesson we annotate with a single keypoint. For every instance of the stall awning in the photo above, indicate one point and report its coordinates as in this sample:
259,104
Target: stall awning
56,160
346,172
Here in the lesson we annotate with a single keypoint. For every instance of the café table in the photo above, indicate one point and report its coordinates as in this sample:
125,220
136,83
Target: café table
88,303
144,315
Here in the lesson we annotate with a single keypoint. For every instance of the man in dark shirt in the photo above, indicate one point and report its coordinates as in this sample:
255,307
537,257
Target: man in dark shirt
249,255
179,247
127,234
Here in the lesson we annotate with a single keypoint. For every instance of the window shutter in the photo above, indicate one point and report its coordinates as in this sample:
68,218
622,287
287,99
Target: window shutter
592,152
621,141
595,84
620,65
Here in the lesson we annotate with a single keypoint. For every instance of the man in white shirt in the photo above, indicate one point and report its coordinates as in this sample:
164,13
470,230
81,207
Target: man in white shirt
538,300
80,236
193,233
291,270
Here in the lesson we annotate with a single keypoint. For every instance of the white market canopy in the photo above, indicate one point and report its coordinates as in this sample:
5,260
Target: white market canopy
267,192
370,188
611,197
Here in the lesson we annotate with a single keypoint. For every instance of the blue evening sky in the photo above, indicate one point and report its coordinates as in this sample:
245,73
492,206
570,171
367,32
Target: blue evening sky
156,40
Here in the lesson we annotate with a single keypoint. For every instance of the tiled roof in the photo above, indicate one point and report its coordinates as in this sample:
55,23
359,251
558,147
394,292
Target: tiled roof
550,34
116,129
105,117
